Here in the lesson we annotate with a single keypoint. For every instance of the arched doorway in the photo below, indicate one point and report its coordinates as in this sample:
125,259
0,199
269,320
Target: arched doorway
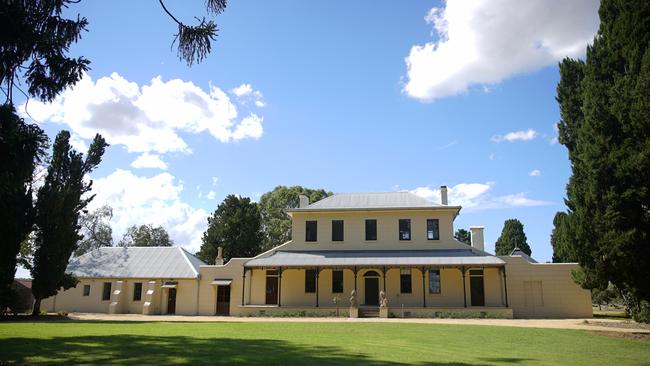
371,288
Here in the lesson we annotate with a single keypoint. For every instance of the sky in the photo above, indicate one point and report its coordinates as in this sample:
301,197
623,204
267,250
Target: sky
363,96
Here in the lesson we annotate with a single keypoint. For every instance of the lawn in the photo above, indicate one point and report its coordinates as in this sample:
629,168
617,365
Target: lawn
356,344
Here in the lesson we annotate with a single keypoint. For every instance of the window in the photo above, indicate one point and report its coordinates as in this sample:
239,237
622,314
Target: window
432,229
434,281
86,290
310,281
405,281
137,291
371,229
310,231
106,291
337,230
337,282
405,229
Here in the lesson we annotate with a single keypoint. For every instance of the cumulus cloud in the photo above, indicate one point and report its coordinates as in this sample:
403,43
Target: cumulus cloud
535,173
147,160
516,136
153,200
211,195
477,196
242,90
147,118
245,93
486,41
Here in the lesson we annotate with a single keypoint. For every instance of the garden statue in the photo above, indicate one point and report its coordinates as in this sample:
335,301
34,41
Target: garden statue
353,299
383,301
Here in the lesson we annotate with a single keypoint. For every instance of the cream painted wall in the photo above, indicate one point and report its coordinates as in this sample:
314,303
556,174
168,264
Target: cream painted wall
387,230
554,294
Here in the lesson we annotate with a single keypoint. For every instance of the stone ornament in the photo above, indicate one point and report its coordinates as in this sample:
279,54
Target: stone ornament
383,301
353,299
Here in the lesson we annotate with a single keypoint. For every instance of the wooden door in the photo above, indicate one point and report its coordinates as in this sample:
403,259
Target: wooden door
223,300
271,290
477,290
171,301
371,291
533,297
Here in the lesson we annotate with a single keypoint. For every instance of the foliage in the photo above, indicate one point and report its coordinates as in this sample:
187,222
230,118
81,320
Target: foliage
605,125
146,236
273,205
512,236
236,227
60,201
96,230
309,344
34,43
562,239
22,147
605,296
463,236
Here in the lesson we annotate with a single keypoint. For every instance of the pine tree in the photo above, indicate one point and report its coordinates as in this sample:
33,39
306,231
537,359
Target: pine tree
605,125
60,201
463,236
512,236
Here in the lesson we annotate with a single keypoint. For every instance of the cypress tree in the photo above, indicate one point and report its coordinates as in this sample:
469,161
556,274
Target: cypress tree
512,236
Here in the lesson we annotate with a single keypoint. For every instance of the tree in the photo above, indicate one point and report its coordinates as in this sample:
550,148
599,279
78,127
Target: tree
562,239
273,205
59,203
605,125
512,236
96,230
236,227
146,236
463,236
22,147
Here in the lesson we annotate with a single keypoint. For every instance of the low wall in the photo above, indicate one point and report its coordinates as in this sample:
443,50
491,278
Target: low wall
290,311
474,312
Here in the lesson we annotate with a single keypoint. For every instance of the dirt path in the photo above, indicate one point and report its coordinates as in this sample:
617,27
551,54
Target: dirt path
581,324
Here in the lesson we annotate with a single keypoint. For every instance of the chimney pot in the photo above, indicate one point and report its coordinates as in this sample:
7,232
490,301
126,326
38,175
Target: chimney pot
219,260
443,195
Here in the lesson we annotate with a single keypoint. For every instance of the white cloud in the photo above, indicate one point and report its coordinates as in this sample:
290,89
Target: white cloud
78,143
516,136
477,196
149,117
215,180
153,200
211,195
486,41
535,173
242,90
147,160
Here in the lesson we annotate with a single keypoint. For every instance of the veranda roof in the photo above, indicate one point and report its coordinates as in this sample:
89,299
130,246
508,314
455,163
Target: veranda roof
221,282
349,258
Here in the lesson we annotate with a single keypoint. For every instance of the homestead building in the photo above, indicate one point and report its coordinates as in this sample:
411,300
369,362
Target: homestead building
396,245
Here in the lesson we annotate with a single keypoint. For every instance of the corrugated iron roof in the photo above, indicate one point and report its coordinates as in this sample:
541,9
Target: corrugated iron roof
136,262
372,201
440,257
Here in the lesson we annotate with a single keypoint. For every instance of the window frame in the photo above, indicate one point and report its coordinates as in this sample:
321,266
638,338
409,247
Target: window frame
399,229
310,281
109,286
439,280
437,222
342,223
335,282
375,229
135,292
86,293
405,286
307,231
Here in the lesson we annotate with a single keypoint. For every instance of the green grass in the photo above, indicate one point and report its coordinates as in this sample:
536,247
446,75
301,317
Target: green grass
355,344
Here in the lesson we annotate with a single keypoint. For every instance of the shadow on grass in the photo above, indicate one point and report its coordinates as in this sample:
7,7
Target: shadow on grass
141,350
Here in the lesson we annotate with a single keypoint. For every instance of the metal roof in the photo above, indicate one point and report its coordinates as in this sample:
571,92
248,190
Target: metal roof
136,262
370,201
440,257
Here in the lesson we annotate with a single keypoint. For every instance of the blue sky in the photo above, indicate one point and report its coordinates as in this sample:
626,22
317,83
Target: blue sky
346,96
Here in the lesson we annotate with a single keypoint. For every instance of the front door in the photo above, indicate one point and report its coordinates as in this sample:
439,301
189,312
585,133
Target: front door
372,291
223,300
477,289
271,290
171,301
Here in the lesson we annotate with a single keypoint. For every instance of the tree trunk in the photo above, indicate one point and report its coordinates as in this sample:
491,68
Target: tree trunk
36,311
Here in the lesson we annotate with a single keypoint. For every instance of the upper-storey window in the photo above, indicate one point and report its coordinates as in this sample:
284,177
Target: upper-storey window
311,229
433,230
405,229
371,229
337,230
